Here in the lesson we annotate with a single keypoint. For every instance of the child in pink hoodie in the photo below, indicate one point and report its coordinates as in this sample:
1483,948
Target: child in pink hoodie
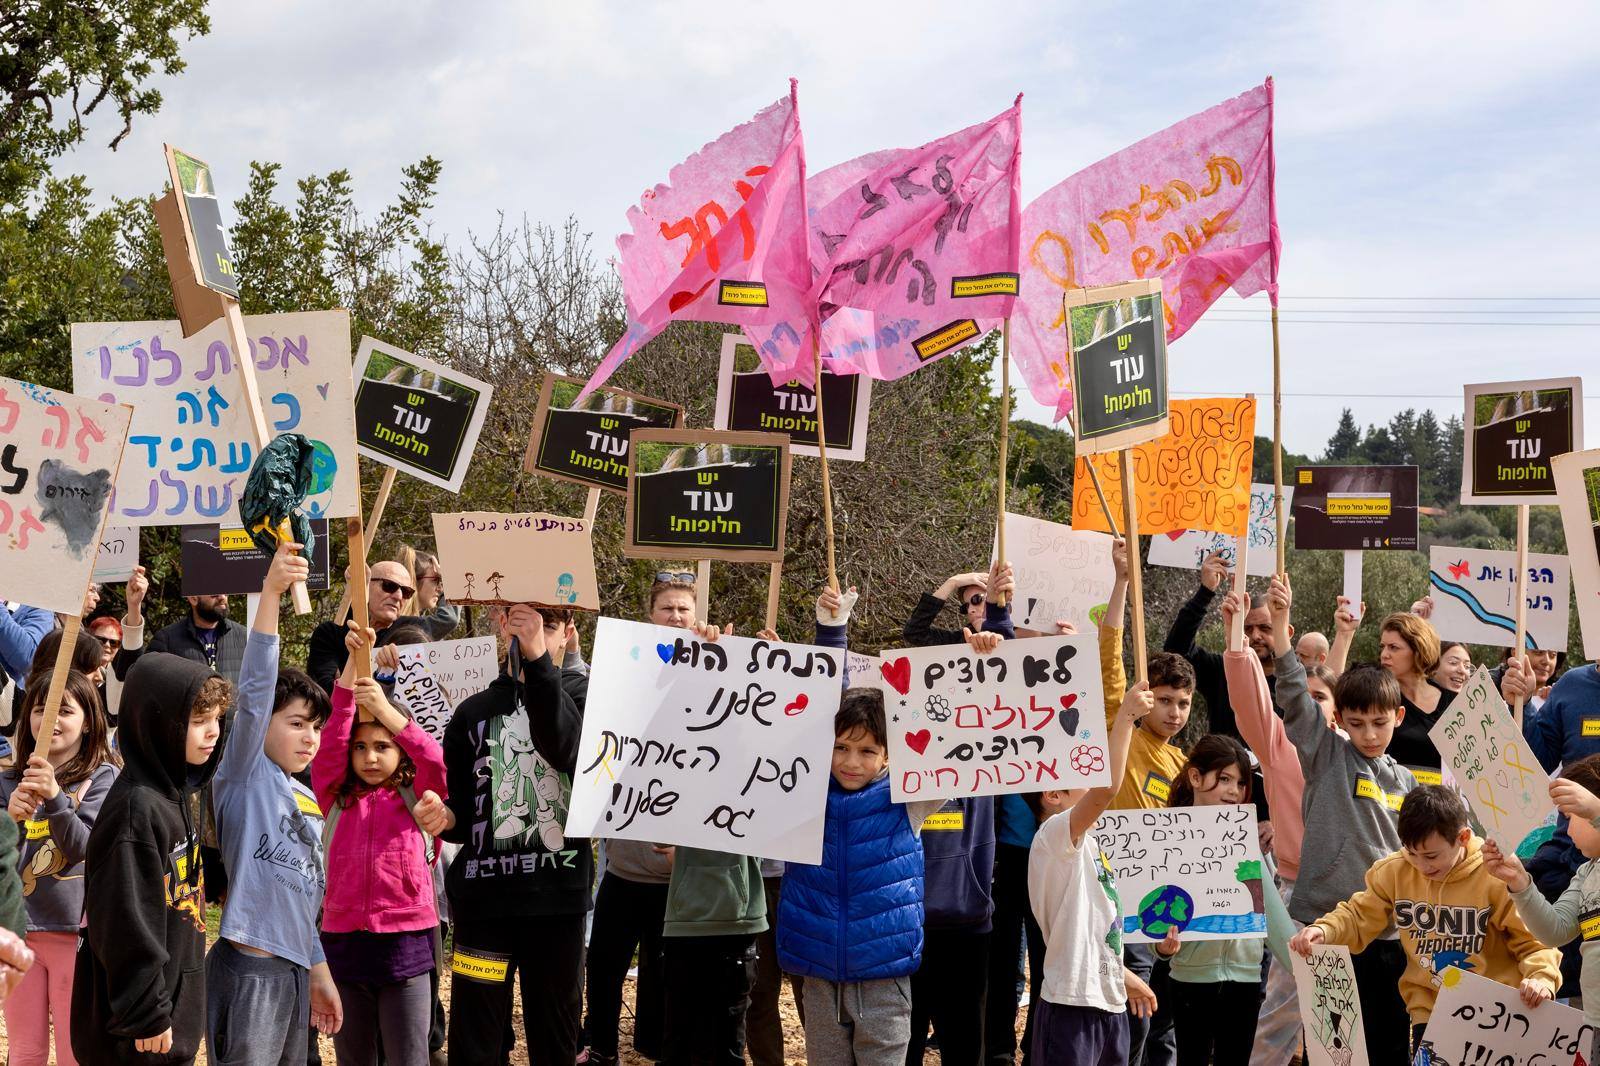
380,924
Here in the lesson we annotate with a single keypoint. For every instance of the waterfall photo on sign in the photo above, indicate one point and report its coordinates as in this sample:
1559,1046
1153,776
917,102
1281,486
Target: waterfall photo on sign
416,415
586,441
1514,429
700,495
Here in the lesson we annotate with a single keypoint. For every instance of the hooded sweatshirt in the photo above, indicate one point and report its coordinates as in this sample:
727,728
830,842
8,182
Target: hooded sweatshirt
53,844
1571,917
142,970
1351,801
1467,920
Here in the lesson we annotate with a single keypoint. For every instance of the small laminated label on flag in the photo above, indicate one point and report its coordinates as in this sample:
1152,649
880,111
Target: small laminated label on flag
742,293
943,339
1001,284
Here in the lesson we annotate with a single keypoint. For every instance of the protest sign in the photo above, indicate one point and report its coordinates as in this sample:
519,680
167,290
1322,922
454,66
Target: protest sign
434,678
1474,594
1119,365
1478,1021
1187,550
724,745
119,554
1355,508
190,445
694,494
58,463
1483,749
1330,1007
416,415
223,561
586,441
1577,477
543,559
1062,574
862,671
202,218
748,401
1195,477
1194,869
1029,717
1513,430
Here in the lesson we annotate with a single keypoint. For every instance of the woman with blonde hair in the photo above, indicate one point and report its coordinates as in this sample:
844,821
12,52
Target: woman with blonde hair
1408,648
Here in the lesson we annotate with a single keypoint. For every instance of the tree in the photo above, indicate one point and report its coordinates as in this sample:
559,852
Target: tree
1380,449
1345,442
80,54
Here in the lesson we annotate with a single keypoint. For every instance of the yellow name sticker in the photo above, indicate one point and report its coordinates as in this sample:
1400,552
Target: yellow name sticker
1589,926
307,804
1157,787
1367,788
742,293
484,966
1427,777
942,340
1591,727
944,821
1001,284
38,828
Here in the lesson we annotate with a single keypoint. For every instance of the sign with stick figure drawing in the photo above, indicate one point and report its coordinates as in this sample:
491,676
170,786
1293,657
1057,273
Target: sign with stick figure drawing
542,559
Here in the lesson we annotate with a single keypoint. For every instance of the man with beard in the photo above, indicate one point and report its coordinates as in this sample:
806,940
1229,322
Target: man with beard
206,636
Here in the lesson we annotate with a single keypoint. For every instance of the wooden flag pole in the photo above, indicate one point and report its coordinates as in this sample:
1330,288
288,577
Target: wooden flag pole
1522,597
1277,440
774,582
822,457
1005,434
370,531
1135,567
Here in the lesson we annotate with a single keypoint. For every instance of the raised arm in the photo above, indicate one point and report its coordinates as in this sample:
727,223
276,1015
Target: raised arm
1135,705
1186,625
258,671
1302,718
555,708
1345,624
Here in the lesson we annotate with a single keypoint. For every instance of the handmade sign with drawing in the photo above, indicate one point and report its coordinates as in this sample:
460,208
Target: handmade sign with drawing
1118,338
1027,718
1578,487
416,415
1513,430
1479,1022
1062,574
189,447
218,561
1355,508
434,678
1330,1007
696,494
1193,869
1187,550
725,745
542,559
1474,594
586,442
119,554
1195,477
748,401
58,463
1483,749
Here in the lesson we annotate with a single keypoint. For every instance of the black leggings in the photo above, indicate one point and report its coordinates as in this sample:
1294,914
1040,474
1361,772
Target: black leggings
1215,1022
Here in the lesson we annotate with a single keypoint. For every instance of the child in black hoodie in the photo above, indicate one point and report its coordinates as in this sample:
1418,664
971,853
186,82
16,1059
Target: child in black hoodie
139,989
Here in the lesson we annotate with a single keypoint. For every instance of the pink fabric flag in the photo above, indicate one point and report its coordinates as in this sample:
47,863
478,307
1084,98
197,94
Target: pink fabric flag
724,240
1193,205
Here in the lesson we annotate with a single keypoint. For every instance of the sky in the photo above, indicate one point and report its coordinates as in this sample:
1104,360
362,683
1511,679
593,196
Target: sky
1433,168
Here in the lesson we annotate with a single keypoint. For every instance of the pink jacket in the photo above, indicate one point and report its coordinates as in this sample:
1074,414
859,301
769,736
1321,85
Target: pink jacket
378,875
1263,733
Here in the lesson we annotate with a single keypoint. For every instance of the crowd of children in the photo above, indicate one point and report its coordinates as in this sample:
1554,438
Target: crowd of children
334,814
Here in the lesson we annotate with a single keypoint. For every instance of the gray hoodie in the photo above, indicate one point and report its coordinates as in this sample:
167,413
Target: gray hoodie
1571,917
1351,802
53,844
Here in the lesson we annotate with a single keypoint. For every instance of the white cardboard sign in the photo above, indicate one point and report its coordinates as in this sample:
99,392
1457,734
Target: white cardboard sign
434,678
58,465
1577,477
1194,868
1483,749
1029,717
119,554
1187,550
1474,594
1062,574
1330,1007
725,745
544,559
190,446
1479,1021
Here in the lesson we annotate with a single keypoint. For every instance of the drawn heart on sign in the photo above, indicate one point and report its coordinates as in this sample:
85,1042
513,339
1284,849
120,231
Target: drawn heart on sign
798,705
1068,700
665,651
898,674
918,741
1176,534
323,389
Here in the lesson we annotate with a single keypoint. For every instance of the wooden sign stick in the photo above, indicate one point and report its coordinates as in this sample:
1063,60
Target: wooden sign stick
58,685
1522,597
1005,428
370,532
591,507
1100,494
774,580
1135,568
702,589
822,457
357,586
1277,440
1240,561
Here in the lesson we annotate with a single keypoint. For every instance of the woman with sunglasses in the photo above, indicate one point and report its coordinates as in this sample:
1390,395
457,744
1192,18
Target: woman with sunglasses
920,630
428,601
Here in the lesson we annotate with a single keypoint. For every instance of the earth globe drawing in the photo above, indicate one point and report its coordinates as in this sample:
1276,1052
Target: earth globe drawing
1164,908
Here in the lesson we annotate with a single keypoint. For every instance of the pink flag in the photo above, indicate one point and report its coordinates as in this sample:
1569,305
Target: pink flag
724,240
1192,205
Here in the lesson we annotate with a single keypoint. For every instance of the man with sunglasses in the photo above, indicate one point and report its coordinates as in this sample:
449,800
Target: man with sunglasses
388,588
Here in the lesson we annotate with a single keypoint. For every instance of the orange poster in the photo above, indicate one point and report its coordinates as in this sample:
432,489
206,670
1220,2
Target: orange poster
1196,477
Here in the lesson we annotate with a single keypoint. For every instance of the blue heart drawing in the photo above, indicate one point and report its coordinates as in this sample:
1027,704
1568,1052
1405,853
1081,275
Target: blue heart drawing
665,651
323,389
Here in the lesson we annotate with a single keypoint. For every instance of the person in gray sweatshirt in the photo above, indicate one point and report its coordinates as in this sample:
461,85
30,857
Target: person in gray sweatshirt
1352,800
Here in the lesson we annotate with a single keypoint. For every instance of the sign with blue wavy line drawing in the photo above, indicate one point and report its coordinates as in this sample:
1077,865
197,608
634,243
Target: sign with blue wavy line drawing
1474,594
1196,869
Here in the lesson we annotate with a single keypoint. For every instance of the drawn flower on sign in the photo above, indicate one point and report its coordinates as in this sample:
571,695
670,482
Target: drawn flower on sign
1088,758
938,709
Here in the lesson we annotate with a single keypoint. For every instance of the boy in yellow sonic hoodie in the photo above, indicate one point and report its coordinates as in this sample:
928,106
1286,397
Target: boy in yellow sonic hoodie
1448,909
